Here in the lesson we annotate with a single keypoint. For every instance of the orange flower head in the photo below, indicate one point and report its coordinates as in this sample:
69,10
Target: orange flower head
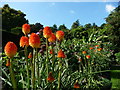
50,77
96,45
47,32
52,38
8,63
84,52
61,54
88,56
34,40
99,49
30,55
24,41
76,85
26,29
60,35
51,51
10,49
91,48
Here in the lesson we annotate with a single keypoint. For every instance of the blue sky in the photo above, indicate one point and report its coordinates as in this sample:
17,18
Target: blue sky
49,13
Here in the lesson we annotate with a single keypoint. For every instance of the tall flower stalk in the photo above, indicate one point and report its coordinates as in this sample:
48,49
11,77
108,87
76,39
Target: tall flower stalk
47,32
24,42
27,68
33,69
10,50
52,39
47,55
60,36
37,67
60,56
12,75
34,42
59,74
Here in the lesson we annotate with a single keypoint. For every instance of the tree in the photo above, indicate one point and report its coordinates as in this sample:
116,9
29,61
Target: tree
62,27
75,24
87,26
36,27
113,21
12,18
54,28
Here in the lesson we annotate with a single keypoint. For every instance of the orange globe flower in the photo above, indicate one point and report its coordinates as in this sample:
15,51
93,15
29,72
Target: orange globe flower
10,49
26,29
24,41
52,38
91,48
96,45
51,51
99,49
50,77
47,32
34,40
88,56
30,55
76,85
61,54
8,63
84,52
60,35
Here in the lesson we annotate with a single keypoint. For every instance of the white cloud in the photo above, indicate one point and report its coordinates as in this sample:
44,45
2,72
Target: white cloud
109,8
72,11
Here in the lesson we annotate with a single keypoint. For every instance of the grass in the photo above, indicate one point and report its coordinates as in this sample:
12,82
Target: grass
115,78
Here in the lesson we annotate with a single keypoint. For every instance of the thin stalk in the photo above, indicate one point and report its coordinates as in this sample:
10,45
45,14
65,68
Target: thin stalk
27,69
37,64
59,65
85,62
33,69
59,75
47,56
53,58
14,84
51,87
80,70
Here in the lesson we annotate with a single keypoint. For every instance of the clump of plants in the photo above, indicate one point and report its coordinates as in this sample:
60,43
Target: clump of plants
54,63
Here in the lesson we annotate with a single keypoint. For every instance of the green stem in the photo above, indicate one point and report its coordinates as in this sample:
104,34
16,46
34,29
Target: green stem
53,58
59,75
47,56
14,84
37,64
27,69
33,69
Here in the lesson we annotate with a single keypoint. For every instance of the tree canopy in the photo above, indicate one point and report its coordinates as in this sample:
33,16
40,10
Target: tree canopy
12,18
113,24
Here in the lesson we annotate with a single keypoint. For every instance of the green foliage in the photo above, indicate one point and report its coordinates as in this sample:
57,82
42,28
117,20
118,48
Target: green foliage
54,28
12,18
88,71
17,30
61,27
113,21
117,57
75,24
36,27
